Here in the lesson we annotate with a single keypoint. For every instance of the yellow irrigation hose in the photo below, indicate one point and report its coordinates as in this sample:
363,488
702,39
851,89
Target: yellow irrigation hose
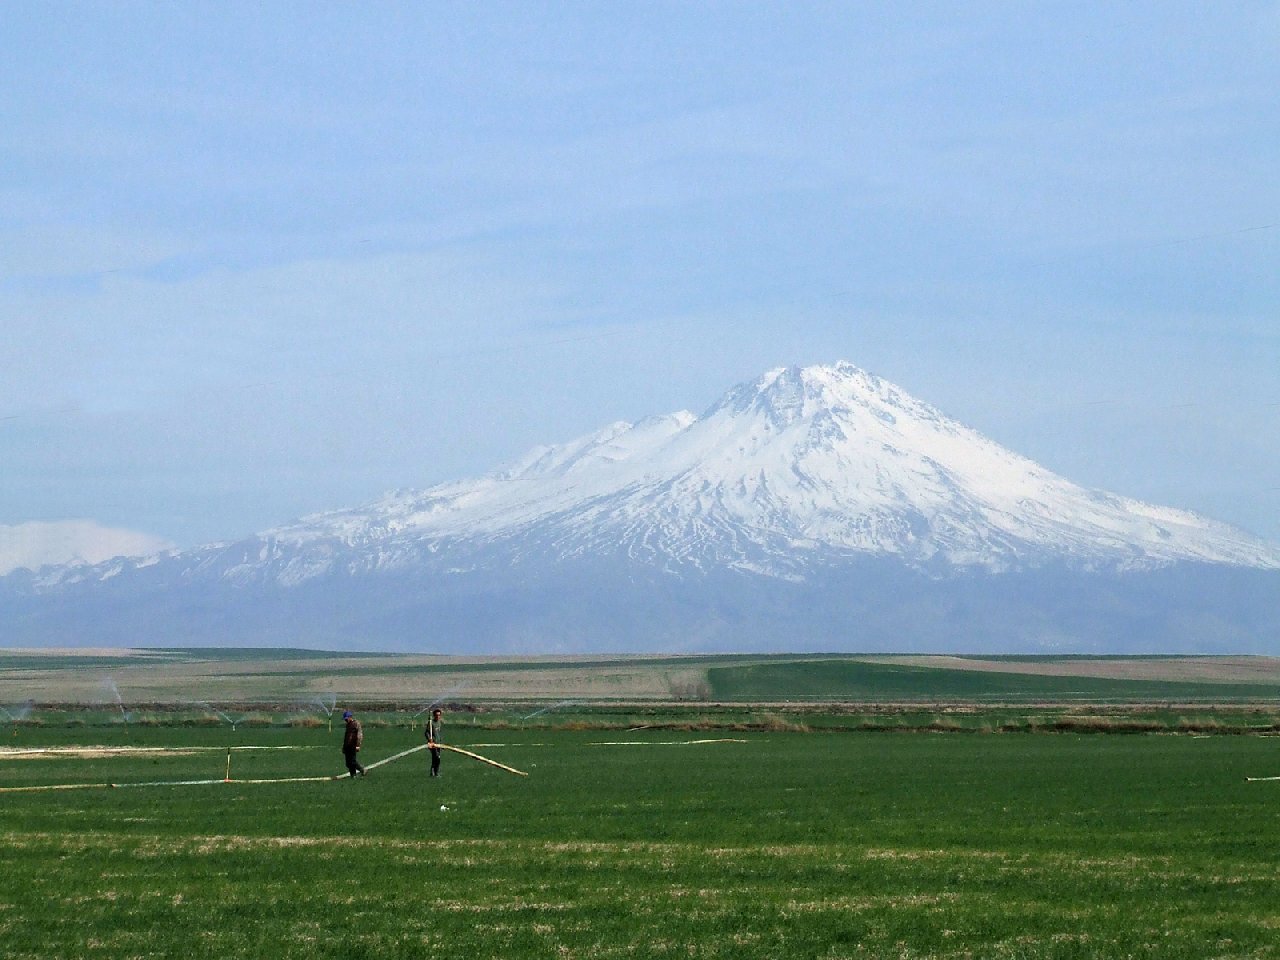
336,776
60,786
476,756
662,743
402,753
96,752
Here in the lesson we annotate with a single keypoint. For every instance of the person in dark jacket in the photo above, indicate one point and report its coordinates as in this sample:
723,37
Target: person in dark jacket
352,739
435,727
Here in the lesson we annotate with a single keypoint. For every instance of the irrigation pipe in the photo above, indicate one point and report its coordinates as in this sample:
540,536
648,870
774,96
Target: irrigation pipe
158,783
402,753
476,756
64,786
1256,779
662,743
229,779
445,746
17,753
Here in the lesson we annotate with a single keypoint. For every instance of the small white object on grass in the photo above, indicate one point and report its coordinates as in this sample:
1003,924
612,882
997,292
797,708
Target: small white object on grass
443,807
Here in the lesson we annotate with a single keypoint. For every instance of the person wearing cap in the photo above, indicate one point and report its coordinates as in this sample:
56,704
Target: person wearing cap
434,727
352,739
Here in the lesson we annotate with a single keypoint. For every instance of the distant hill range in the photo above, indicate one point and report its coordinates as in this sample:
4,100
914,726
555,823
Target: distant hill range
816,508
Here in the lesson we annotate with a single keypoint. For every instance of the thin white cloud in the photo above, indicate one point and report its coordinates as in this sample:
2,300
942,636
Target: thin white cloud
39,543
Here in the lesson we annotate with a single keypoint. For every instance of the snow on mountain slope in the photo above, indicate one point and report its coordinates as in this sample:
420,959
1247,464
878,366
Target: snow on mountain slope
803,466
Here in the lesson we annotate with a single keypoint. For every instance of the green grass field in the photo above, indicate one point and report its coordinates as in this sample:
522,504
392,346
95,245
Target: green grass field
822,844
831,678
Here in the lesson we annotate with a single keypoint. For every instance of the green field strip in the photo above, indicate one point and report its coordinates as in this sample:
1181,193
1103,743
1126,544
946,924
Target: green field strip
844,679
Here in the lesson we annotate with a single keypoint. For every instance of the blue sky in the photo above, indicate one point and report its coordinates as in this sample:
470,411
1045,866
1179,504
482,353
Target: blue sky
258,260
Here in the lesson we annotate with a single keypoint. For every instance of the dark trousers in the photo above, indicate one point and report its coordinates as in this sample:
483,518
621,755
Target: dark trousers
353,765
435,761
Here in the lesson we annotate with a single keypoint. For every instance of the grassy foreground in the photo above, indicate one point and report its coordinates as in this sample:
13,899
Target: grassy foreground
786,845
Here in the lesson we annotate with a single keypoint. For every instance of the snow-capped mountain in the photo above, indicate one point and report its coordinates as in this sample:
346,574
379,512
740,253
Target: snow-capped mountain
802,465
803,482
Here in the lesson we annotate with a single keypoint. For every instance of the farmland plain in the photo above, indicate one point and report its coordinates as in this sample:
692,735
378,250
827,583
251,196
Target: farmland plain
168,675
651,829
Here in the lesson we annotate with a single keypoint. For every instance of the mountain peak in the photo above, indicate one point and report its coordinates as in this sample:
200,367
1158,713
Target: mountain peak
799,469
788,394
831,381
803,465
